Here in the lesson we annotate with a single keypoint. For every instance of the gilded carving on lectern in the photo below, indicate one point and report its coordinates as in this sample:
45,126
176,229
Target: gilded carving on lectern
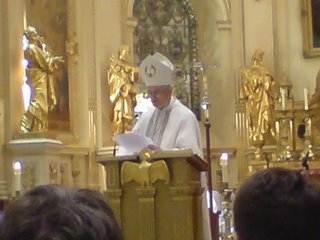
145,173
121,79
40,67
258,93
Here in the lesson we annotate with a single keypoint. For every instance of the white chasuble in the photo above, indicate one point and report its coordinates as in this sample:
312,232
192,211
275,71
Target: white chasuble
174,126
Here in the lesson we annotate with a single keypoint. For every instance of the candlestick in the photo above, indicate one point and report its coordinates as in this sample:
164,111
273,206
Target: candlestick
225,175
305,93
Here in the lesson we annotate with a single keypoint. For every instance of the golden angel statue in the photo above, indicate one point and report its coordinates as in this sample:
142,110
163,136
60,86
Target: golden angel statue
121,78
39,71
258,93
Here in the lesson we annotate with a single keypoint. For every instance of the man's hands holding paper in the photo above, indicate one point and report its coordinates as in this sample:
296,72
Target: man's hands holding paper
154,148
135,143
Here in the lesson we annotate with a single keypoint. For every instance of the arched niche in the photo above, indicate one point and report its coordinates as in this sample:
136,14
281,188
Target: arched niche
169,27
54,20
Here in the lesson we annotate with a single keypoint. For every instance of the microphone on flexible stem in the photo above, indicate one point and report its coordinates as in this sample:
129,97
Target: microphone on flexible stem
114,149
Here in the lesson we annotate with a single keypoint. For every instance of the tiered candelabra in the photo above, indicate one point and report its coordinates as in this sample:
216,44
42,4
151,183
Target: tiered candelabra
292,125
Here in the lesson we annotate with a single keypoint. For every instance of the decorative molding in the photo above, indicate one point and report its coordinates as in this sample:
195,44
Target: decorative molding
224,25
225,10
72,51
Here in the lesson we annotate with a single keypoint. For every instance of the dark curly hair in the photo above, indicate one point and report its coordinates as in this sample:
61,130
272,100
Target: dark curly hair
52,212
277,204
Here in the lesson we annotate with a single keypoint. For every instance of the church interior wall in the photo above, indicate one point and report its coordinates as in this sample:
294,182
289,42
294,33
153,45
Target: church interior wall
302,71
226,38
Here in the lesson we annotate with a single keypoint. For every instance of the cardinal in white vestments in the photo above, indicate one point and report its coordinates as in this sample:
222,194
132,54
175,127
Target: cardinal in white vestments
169,123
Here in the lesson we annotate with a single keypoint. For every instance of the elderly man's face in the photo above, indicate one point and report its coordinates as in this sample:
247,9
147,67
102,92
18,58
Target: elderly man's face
160,95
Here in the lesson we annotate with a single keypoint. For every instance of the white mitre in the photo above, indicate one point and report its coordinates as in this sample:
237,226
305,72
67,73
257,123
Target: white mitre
156,70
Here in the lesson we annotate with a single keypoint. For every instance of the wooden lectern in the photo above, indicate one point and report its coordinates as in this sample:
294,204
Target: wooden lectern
161,211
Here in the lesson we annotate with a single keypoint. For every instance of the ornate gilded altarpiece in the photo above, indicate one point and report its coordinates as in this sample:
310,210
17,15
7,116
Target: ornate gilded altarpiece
50,18
169,27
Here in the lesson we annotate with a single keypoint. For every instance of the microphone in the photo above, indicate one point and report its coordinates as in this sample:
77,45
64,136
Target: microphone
114,148
305,163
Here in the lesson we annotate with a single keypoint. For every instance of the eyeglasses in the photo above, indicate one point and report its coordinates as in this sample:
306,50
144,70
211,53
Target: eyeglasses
156,92
151,95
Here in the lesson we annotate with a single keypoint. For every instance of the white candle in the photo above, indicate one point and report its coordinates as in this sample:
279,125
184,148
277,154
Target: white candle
90,126
277,127
283,99
17,176
305,93
225,177
224,166
94,134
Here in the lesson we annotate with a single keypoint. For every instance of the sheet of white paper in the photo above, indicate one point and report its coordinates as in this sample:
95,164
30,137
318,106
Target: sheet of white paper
133,142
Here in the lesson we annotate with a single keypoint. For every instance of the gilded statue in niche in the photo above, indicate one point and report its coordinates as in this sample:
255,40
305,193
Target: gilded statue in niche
258,93
52,19
41,65
121,78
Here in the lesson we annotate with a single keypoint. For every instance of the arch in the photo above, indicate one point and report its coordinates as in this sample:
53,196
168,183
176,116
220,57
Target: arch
172,30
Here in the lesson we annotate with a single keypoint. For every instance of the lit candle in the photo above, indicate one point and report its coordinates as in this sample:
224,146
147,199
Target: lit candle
90,125
277,127
94,134
283,99
305,93
17,176
224,166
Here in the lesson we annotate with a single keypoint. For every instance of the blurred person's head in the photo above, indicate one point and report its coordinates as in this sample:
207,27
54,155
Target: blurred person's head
54,212
277,204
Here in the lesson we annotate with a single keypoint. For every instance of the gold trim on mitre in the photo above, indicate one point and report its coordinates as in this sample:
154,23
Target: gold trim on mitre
150,71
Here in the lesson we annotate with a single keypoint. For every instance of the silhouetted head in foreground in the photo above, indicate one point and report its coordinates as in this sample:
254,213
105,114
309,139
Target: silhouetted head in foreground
52,212
277,204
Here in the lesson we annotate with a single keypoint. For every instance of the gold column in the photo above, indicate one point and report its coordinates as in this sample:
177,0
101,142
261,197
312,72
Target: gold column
113,191
114,196
183,217
146,213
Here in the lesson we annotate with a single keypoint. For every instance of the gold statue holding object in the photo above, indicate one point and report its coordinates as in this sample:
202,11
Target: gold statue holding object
258,93
121,78
145,173
39,71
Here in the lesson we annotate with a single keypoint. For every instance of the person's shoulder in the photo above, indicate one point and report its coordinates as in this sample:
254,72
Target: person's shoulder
147,113
182,109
